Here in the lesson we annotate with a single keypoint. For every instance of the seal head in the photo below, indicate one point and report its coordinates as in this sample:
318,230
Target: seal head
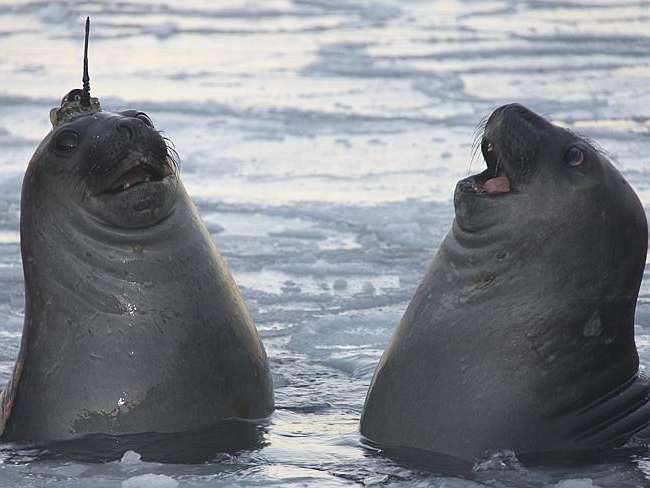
127,176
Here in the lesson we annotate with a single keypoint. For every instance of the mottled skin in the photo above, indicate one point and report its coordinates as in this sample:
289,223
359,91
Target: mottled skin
521,335
132,320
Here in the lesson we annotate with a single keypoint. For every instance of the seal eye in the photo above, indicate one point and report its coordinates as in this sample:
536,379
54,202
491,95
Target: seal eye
66,140
574,156
145,119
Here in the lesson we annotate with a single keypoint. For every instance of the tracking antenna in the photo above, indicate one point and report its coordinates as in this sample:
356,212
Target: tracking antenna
77,102
85,95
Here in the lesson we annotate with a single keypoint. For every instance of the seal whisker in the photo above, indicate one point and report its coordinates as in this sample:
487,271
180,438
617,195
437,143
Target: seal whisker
172,155
476,143
480,127
475,151
477,137
497,165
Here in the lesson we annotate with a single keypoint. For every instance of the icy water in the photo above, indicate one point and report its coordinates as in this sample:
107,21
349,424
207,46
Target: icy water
321,141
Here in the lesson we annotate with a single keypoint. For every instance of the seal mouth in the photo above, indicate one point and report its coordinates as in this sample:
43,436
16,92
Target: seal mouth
141,173
494,180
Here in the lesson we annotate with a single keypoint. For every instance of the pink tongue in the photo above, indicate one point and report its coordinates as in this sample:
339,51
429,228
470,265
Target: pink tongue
500,184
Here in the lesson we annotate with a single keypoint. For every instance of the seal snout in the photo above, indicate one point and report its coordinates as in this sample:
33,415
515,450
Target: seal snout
509,145
143,156
134,128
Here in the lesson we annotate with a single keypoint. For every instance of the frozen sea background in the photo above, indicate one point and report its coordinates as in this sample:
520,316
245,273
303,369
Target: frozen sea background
321,141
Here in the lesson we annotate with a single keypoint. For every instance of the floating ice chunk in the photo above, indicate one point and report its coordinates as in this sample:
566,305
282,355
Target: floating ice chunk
577,483
352,344
344,141
440,483
377,479
497,461
409,234
340,284
309,234
367,288
130,457
72,470
150,481
290,286
360,365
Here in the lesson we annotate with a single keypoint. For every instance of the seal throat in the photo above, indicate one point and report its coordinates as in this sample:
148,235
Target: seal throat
492,181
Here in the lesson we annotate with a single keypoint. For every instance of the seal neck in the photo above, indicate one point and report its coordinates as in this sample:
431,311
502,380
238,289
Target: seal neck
68,234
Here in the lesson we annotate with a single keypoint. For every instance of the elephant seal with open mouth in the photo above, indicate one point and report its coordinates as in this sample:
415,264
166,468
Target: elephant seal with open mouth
521,335
133,322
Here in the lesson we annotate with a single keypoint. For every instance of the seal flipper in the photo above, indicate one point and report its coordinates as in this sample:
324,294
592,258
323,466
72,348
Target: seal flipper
616,416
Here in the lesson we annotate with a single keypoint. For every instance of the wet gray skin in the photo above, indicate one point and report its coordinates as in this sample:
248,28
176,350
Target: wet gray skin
133,322
521,335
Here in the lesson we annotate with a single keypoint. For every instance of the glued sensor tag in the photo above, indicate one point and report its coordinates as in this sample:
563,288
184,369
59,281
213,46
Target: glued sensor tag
71,108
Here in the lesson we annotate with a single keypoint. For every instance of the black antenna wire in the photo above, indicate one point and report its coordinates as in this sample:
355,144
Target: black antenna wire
85,95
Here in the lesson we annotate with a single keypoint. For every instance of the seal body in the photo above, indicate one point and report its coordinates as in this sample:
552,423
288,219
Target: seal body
521,335
133,322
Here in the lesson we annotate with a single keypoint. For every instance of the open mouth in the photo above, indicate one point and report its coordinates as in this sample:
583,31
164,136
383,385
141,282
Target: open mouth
138,175
492,181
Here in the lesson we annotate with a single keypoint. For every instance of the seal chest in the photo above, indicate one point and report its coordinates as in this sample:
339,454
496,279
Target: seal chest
133,322
521,335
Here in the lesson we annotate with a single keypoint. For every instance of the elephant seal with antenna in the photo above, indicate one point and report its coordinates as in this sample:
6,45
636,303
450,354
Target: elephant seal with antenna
521,335
133,322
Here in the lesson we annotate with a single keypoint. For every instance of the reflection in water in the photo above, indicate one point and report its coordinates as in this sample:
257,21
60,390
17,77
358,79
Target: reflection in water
516,469
192,447
420,460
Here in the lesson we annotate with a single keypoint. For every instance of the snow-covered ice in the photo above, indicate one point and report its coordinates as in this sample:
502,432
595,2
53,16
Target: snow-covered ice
150,481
